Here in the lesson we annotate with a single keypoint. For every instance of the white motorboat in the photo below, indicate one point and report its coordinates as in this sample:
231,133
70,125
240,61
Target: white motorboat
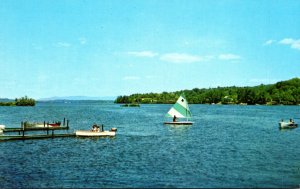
287,125
94,133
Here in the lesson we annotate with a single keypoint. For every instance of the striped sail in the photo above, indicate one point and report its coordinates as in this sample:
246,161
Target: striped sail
180,109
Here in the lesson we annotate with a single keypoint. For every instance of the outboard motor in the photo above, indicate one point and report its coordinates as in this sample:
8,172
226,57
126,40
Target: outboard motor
113,129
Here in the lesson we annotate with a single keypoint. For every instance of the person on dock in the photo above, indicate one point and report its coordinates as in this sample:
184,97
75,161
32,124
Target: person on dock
174,118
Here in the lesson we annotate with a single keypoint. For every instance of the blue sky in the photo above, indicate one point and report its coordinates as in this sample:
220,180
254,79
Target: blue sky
120,47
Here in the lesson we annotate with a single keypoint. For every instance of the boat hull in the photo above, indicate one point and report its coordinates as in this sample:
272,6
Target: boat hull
94,134
179,123
2,127
287,125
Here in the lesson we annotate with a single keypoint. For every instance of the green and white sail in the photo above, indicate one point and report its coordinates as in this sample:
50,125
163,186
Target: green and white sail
180,109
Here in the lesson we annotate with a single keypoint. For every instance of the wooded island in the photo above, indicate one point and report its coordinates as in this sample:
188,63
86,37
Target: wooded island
24,101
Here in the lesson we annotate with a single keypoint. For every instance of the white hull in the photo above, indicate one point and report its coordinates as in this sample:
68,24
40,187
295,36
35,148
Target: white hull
94,133
287,125
179,123
39,125
2,127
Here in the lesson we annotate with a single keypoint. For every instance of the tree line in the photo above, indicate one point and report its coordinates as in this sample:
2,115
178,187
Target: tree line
23,101
283,92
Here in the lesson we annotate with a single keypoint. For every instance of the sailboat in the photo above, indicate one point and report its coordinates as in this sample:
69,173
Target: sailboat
180,110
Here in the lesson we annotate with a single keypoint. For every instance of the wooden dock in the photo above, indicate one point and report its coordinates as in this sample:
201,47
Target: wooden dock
26,137
48,129
35,129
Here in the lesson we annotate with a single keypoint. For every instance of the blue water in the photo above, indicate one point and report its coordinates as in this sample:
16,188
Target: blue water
228,146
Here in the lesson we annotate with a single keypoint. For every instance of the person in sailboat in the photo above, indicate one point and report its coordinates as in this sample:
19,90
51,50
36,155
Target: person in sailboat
174,118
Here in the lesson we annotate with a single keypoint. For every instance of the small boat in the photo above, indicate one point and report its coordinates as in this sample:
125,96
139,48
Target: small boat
96,132
2,127
180,110
54,124
287,125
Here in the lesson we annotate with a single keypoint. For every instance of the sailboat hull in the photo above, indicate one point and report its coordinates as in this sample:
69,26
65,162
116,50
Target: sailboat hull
179,123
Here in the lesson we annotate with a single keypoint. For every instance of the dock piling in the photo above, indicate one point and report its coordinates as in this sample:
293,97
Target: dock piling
23,128
47,128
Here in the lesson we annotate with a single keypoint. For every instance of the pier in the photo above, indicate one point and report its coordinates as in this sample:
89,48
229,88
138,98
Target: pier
26,137
47,128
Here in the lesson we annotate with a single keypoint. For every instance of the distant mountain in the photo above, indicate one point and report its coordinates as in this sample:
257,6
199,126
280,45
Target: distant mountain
77,98
6,100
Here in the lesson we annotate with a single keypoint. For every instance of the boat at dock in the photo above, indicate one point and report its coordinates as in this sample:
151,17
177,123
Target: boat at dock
96,132
25,133
44,124
180,110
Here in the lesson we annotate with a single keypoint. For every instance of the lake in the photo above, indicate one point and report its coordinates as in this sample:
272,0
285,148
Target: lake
227,146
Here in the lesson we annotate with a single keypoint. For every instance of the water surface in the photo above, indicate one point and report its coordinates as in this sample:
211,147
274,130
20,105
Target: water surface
228,146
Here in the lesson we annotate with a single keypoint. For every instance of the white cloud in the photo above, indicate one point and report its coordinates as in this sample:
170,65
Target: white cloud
229,57
131,78
286,41
183,58
63,44
293,43
269,42
142,53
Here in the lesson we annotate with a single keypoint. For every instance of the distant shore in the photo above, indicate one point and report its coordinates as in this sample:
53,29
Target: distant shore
280,93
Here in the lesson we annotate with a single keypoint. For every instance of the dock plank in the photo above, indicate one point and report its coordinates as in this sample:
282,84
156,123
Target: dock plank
34,129
25,137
